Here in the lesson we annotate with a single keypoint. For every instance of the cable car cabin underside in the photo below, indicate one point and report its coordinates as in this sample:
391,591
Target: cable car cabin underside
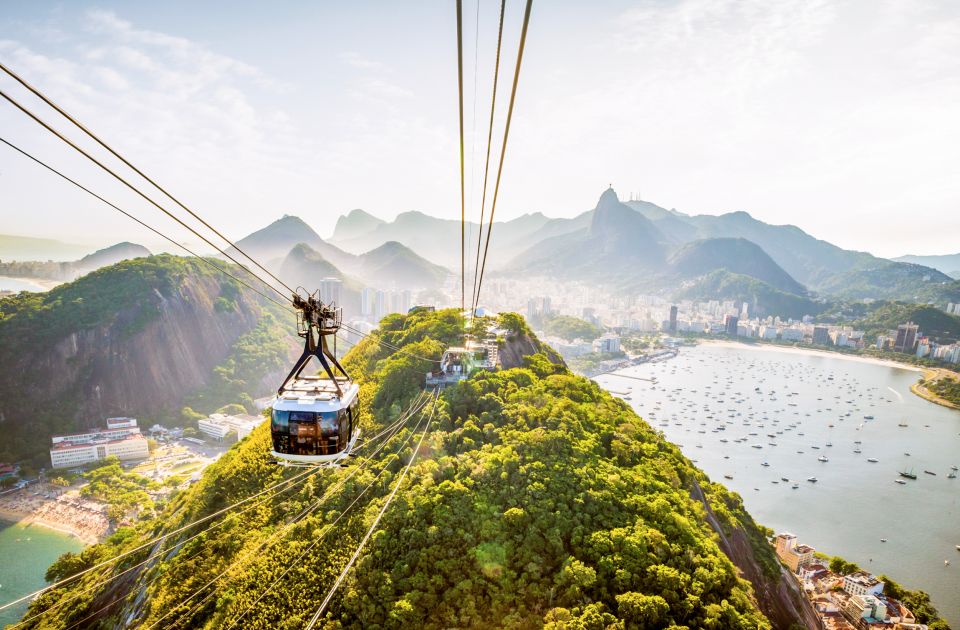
313,423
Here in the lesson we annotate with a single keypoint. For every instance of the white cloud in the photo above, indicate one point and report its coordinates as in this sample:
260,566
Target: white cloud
356,60
180,111
837,116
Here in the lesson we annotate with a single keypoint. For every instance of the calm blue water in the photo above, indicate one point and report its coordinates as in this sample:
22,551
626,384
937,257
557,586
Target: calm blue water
16,284
25,554
854,503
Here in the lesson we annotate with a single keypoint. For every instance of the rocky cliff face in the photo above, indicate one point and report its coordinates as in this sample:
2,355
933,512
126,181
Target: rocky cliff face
156,367
778,597
518,346
139,359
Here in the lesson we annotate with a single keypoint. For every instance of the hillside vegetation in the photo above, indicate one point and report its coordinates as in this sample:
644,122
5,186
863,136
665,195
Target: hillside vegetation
537,500
134,338
762,298
879,318
735,255
570,328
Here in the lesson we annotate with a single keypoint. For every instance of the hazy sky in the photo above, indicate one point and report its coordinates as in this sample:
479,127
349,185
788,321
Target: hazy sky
840,117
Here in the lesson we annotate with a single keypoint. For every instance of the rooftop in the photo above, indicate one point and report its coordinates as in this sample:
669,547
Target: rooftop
66,446
91,431
320,394
863,578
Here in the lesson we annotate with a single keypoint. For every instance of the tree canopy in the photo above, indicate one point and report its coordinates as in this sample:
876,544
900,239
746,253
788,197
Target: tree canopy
537,500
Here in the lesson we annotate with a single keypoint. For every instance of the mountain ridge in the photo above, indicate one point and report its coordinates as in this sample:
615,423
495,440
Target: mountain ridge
736,255
275,241
944,263
71,270
816,264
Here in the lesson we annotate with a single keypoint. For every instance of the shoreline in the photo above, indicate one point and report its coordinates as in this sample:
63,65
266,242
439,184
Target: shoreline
917,389
45,284
810,352
921,391
29,520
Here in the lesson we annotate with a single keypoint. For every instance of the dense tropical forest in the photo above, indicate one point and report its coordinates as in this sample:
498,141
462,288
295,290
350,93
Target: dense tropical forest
143,338
537,500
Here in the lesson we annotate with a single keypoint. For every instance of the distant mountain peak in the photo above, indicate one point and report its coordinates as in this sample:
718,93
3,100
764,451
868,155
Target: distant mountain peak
615,218
394,262
111,255
360,213
356,223
289,219
736,255
302,250
739,215
392,246
608,198
277,239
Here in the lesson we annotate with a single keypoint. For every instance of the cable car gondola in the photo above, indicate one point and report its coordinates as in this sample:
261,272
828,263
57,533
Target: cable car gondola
314,417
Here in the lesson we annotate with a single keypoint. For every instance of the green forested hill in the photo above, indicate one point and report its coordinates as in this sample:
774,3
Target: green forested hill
134,338
735,255
538,500
879,318
762,298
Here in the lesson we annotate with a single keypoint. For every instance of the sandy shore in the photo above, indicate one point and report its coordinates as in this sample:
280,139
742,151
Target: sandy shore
809,352
69,514
935,373
27,520
44,283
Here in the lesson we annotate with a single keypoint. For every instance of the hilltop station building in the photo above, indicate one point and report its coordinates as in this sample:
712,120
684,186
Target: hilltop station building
219,425
121,439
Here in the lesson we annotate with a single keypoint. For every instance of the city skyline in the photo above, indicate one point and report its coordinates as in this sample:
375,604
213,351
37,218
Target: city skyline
799,113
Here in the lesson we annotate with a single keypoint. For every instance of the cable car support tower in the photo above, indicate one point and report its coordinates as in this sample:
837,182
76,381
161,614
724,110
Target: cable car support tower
316,322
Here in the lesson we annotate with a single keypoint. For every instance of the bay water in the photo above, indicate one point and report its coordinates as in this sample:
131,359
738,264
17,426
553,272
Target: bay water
722,404
25,554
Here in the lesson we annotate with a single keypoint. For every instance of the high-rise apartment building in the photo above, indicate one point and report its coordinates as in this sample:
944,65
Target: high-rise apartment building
906,337
331,290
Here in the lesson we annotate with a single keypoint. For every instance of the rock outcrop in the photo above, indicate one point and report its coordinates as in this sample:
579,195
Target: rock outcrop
139,354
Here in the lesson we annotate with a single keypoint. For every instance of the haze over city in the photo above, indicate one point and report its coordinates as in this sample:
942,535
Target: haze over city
836,117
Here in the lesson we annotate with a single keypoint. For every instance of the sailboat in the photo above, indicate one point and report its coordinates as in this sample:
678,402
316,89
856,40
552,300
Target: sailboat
908,475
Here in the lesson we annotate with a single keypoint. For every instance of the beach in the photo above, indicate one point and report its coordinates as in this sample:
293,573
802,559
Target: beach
68,513
920,390
767,347
16,284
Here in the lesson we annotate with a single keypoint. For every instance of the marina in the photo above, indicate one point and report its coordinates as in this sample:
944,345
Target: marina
835,423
